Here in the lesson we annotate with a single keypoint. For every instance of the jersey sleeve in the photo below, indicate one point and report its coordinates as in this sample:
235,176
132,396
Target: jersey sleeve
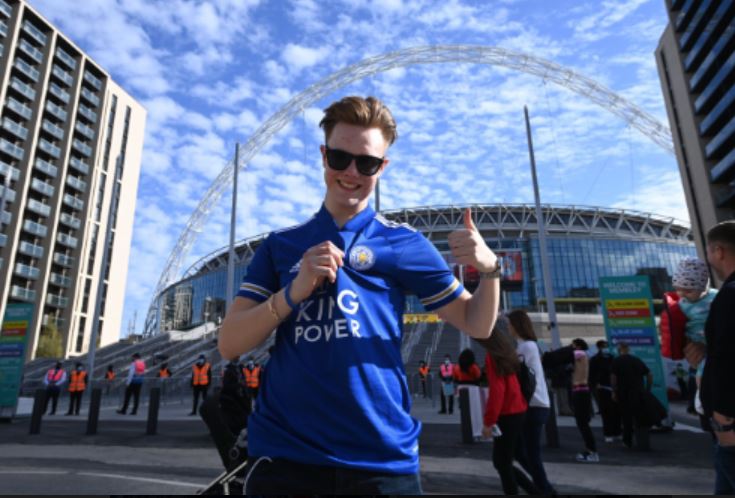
422,269
261,279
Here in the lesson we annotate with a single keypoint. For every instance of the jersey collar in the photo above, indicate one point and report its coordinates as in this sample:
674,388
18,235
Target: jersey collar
357,223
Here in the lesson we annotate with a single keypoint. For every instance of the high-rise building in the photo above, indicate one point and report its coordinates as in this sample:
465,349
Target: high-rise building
696,64
70,149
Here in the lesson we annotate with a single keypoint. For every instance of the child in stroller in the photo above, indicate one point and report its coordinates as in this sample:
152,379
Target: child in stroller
226,415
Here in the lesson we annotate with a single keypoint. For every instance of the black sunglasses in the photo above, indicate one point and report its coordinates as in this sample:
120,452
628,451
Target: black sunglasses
340,160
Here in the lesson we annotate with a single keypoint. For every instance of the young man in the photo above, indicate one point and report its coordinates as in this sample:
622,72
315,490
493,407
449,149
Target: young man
133,383
717,390
333,415
600,384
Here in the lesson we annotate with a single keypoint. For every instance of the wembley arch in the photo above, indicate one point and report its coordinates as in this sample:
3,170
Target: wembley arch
435,54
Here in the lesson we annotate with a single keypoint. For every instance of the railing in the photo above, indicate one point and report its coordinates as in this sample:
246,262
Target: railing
3,240
5,9
46,167
76,183
24,88
57,301
12,149
35,33
6,169
35,228
73,202
39,207
64,76
30,50
91,97
59,92
66,58
16,129
56,110
27,271
60,280
88,113
8,193
70,220
49,148
30,249
53,129
92,80
79,165
82,147
23,294
84,130
19,107
63,260
27,69
42,187
67,240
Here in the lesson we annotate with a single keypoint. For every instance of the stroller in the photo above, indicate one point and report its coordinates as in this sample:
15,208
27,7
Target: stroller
226,415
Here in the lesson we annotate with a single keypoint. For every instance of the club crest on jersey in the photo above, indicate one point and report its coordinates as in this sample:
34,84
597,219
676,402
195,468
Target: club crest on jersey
362,258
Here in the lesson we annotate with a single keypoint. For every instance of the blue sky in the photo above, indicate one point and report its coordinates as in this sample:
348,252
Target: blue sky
211,73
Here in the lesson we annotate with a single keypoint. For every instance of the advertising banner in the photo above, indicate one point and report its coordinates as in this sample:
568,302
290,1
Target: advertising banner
421,318
510,261
13,340
628,312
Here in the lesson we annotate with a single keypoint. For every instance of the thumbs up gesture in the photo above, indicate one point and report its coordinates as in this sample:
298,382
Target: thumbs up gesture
468,247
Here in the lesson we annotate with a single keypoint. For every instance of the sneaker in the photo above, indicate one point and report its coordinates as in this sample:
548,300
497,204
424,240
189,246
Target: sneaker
588,456
609,439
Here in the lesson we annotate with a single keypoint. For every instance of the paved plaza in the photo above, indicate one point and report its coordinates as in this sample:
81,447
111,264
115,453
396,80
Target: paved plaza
180,459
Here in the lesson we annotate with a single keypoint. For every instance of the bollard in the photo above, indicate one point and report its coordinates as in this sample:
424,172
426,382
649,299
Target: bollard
552,429
465,417
39,407
642,438
94,411
155,398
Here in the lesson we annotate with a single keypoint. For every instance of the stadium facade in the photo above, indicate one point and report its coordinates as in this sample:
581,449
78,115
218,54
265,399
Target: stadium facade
585,243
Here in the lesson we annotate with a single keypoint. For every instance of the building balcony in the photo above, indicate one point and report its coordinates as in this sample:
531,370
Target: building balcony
38,207
35,228
56,131
6,217
63,260
57,301
49,148
84,130
56,110
31,250
27,271
79,165
26,69
5,8
67,240
59,92
73,202
90,96
88,113
23,294
19,108
85,149
3,29
6,193
34,32
70,221
76,183
59,280
92,80
16,129
65,77
30,50
6,169
42,187
46,167
3,240
11,149
24,88
67,59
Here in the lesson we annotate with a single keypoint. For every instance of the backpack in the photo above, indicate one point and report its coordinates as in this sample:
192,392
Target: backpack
527,380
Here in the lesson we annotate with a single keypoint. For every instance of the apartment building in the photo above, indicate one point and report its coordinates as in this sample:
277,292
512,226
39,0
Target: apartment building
70,149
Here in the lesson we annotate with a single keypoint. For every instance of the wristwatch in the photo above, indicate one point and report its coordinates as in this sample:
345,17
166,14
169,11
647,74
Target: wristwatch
495,273
718,427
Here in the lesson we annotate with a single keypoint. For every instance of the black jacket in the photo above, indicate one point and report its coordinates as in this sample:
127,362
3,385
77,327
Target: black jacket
718,382
600,369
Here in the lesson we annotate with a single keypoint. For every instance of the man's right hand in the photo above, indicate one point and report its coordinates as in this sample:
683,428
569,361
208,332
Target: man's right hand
694,352
318,264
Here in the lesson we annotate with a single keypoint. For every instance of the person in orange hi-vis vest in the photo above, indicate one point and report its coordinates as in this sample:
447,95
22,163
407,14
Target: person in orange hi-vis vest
109,377
201,378
53,381
164,372
252,378
423,374
134,383
77,385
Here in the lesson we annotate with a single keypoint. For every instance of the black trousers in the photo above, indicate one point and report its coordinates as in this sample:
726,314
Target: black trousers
610,412
134,391
52,393
630,407
199,390
75,402
582,406
504,450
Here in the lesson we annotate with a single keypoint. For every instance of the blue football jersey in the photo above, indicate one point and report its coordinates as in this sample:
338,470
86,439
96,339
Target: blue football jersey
335,391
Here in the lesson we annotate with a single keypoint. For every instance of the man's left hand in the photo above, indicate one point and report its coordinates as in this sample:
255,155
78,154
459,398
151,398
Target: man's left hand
469,248
724,438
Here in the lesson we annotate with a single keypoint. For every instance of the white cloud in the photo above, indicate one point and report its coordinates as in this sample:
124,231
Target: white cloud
298,57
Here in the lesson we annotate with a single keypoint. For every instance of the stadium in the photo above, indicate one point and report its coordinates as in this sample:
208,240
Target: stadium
584,243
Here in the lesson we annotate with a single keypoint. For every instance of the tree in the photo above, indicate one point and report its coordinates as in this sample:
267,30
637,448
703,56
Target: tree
49,344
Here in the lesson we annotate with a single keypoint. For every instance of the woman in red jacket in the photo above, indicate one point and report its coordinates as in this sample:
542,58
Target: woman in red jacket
506,406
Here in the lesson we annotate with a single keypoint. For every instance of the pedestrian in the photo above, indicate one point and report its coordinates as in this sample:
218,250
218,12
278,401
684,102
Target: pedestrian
630,378
53,380
164,372
681,379
335,400
528,452
582,401
423,375
601,385
77,386
506,407
133,384
466,370
109,378
446,378
718,379
251,373
201,379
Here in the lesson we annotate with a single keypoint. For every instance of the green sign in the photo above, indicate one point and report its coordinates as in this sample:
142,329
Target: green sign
628,311
13,340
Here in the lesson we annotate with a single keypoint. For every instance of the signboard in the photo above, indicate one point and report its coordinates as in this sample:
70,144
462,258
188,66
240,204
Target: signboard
13,340
628,312
421,318
510,261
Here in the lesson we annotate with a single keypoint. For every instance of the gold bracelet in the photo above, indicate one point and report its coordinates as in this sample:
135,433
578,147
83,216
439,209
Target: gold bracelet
273,309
